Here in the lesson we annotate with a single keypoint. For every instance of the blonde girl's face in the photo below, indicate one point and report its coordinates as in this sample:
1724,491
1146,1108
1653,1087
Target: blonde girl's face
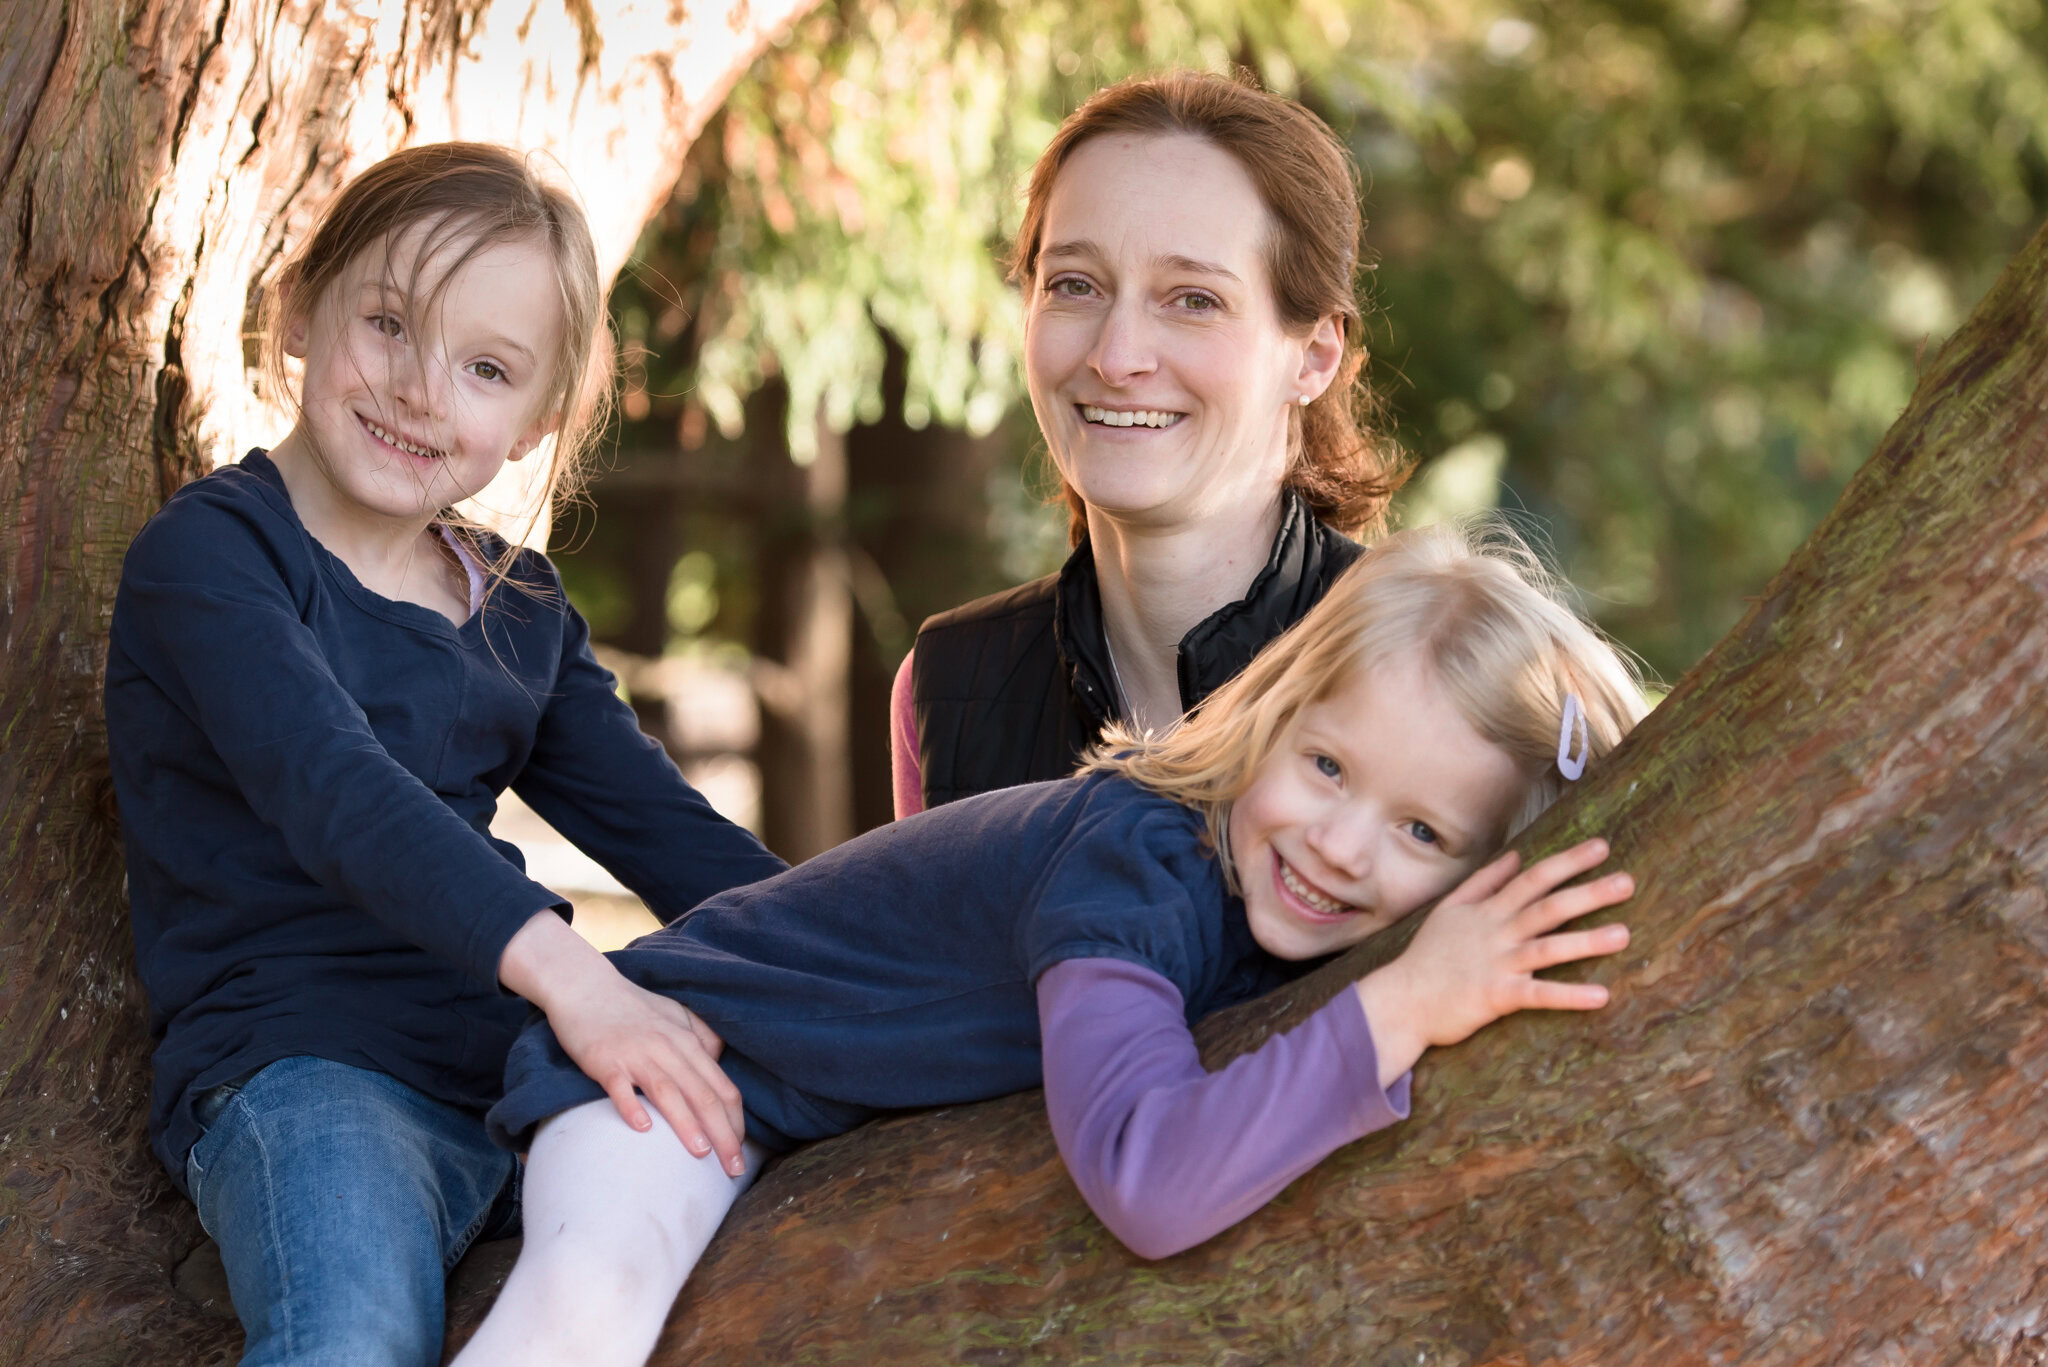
1376,800
424,377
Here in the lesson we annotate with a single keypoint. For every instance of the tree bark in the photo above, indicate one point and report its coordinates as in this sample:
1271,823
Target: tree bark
1808,1128
157,157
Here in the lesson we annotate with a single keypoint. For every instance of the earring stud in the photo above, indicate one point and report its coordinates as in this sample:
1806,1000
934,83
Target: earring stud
1304,399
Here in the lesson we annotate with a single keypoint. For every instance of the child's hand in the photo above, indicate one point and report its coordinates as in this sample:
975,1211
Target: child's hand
1475,959
628,1040
625,1038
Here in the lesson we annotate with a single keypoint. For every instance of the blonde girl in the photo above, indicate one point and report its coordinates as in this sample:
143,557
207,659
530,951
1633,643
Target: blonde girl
1373,759
319,681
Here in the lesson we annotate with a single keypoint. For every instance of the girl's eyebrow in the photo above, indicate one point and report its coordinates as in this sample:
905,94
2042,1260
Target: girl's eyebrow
508,344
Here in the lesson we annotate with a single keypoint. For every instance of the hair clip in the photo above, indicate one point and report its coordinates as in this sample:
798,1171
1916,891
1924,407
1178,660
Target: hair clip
1568,764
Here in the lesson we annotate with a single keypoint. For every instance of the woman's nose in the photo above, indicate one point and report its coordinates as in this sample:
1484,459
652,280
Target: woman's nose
1124,344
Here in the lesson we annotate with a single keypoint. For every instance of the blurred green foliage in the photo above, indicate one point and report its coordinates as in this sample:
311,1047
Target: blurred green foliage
1657,275
1679,263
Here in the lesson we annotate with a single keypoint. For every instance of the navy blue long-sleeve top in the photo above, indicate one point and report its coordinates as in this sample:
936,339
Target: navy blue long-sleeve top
306,774
898,969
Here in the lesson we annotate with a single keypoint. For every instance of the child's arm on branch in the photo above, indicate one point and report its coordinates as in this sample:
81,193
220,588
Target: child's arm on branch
627,1039
1169,1154
1475,959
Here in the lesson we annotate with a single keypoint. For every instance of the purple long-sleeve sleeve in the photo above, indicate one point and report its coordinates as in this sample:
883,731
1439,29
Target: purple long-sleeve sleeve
1169,1154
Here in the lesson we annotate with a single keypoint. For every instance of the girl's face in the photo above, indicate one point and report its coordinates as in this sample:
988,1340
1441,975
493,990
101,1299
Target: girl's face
1377,800
421,383
1155,356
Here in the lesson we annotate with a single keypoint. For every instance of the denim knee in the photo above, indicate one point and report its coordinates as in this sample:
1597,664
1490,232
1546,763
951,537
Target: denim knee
339,1197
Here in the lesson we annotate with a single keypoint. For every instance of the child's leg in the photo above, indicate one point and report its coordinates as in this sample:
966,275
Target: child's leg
615,1219
339,1197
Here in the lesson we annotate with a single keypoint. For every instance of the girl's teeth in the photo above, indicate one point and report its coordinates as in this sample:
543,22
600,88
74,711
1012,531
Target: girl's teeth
1327,905
390,439
1143,417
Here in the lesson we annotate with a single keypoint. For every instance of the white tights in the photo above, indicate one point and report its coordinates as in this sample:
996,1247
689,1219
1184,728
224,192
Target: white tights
615,1220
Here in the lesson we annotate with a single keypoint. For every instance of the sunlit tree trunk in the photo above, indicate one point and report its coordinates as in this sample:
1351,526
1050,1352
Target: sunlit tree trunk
1809,1128
156,158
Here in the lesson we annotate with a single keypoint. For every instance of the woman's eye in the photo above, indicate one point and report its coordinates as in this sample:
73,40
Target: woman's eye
1070,287
1195,301
1424,832
1327,767
386,324
487,370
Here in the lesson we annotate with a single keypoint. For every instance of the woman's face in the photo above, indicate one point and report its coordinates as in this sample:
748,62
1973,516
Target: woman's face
1154,352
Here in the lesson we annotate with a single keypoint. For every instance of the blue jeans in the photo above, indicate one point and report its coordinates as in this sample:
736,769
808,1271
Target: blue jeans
340,1198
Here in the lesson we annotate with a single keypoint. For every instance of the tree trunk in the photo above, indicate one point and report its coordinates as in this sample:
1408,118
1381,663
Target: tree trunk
156,159
1807,1130
803,633
917,524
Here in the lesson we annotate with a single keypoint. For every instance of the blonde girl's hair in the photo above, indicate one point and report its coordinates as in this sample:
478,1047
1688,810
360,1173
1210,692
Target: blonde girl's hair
1340,462
1492,630
467,196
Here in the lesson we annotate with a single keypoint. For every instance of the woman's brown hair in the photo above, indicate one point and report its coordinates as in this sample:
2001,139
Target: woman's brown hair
1339,463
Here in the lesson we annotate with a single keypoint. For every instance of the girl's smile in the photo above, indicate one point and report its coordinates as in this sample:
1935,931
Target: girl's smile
1314,904
400,444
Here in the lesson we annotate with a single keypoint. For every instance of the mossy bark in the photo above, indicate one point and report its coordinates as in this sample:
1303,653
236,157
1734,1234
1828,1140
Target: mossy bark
1808,1128
156,158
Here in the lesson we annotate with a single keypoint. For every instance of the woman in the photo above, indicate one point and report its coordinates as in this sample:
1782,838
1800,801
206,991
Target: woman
1192,351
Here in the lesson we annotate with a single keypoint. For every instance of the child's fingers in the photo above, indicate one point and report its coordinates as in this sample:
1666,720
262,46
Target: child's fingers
704,1126
1546,875
1568,904
717,1102
1484,882
1541,994
619,1087
1552,950
713,1042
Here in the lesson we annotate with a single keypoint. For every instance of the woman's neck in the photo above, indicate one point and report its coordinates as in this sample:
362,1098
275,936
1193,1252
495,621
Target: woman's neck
1158,584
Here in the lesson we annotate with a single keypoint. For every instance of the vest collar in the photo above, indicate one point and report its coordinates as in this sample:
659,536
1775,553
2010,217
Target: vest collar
1217,648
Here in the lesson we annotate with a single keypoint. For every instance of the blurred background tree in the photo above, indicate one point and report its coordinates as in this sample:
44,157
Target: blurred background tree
1650,278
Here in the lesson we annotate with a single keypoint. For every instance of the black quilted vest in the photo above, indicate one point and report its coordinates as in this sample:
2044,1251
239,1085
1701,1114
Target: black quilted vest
1013,687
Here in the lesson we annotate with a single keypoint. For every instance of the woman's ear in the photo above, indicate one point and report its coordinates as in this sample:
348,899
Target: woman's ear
1322,355
295,335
